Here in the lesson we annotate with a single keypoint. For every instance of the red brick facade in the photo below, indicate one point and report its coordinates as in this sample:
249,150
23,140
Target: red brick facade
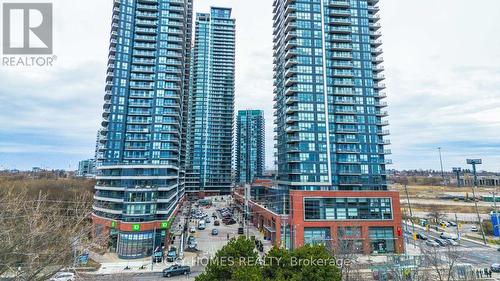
265,219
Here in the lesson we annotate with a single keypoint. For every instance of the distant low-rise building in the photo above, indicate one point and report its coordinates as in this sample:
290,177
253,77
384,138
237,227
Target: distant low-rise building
86,168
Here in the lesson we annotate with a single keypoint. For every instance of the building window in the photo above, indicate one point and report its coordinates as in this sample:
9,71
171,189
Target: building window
349,240
135,245
347,209
382,239
317,236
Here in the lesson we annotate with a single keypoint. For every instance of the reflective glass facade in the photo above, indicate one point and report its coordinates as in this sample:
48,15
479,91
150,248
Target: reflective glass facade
328,96
140,150
335,209
212,103
250,142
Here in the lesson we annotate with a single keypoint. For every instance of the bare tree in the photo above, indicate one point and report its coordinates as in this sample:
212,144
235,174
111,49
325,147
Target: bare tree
442,262
347,251
39,234
435,214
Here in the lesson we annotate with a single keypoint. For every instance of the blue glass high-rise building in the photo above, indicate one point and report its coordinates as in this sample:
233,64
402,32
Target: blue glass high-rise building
250,145
212,103
140,151
329,99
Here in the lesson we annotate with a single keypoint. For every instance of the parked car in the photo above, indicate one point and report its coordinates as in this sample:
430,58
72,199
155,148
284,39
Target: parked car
440,242
452,223
215,231
216,223
207,220
201,224
172,254
474,229
63,276
431,243
422,236
192,229
495,267
192,242
452,242
445,235
229,221
175,270
158,256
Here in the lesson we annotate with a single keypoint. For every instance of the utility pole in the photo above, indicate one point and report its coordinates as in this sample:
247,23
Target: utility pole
475,162
458,228
411,213
441,162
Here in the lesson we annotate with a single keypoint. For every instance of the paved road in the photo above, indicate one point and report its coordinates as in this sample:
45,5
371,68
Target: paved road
474,253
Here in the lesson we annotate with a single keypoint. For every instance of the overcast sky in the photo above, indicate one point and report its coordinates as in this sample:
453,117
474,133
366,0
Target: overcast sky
442,61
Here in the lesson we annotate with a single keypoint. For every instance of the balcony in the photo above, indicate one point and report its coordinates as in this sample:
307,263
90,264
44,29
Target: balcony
340,30
377,51
292,109
291,35
340,13
383,123
377,60
383,132
290,44
292,129
348,151
340,21
346,111
339,4
290,53
291,81
291,90
291,100
290,63
375,34
290,72
382,114
291,120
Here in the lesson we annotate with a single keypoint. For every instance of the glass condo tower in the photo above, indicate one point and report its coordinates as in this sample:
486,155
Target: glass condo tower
250,145
140,150
212,103
328,95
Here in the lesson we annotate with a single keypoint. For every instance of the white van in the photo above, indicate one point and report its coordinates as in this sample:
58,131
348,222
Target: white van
201,224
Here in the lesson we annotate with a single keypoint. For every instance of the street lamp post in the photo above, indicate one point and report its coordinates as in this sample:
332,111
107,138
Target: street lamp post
475,162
